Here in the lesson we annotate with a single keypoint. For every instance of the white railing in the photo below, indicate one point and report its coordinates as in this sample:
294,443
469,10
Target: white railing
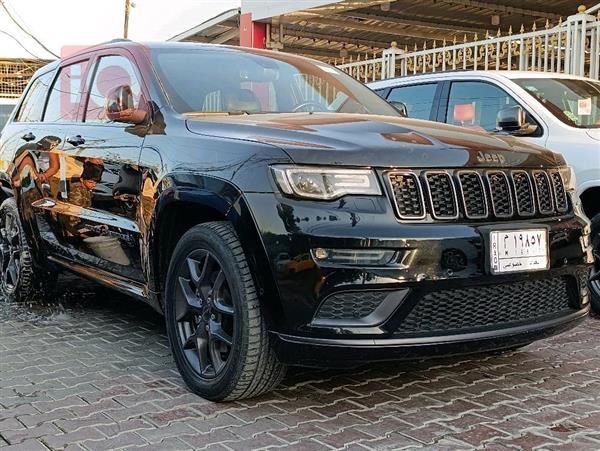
571,47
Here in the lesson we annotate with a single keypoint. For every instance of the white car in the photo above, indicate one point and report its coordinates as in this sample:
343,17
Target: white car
558,111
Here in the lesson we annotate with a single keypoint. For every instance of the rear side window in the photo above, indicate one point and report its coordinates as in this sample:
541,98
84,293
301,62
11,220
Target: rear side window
417,98
65,95
33,105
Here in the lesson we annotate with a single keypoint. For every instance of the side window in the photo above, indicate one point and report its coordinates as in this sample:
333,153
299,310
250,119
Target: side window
65,95
417,98
475,104
33,105
112,72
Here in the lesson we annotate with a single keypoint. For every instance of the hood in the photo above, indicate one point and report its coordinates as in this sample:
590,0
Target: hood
594,133
380,141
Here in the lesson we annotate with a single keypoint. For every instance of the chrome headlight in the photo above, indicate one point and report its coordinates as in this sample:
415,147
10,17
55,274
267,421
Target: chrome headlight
325,183
568,176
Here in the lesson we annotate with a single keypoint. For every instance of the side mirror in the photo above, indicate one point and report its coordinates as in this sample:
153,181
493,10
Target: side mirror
513,120
119,107
400,106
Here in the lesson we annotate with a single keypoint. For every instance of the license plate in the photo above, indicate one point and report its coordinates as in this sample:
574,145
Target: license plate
518,251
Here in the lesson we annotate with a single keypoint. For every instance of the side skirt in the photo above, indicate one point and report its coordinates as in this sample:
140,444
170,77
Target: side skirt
110,280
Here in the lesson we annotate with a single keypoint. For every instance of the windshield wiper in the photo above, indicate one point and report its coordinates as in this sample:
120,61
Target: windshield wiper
216,113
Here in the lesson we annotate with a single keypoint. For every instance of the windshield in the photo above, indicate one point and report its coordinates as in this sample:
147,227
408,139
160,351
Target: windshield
575,102
247,81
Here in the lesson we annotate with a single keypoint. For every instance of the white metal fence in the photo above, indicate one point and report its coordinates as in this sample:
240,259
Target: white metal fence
571,47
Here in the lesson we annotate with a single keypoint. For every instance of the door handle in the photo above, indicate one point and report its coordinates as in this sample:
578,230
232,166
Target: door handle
76,140
28,137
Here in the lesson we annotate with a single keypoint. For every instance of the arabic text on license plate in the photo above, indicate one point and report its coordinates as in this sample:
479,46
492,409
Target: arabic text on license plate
519,250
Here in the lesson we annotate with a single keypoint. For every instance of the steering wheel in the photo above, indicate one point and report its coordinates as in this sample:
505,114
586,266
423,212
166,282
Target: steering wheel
303,105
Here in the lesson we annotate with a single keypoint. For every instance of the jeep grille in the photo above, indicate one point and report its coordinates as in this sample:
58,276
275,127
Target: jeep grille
477,194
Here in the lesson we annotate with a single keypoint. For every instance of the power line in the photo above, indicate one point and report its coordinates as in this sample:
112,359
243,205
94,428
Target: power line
25,31
20,44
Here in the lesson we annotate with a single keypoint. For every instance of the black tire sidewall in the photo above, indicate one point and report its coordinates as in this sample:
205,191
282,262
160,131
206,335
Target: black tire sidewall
226,380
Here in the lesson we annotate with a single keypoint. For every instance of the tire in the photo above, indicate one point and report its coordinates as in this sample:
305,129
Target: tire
595,286
210,300
20,279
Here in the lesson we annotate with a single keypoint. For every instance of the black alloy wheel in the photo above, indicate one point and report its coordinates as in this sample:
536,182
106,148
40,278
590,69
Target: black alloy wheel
218,333
20,280
11,249
205,314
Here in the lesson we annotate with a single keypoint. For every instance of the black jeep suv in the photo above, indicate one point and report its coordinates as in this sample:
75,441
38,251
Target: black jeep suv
279,212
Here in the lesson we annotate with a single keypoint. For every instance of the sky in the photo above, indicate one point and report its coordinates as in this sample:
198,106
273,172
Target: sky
63,23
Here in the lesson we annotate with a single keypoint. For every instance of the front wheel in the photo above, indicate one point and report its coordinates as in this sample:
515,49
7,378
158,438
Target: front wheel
216,329
595,284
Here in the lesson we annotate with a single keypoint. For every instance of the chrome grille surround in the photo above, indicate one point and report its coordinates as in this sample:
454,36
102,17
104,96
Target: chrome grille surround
543,189
524,195
442,194
469,196
560,194
500,194
401,197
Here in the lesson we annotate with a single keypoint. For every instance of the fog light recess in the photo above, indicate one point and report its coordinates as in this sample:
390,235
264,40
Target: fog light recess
354,257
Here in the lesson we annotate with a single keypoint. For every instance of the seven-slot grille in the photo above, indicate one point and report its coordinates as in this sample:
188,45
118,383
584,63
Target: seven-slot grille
477,194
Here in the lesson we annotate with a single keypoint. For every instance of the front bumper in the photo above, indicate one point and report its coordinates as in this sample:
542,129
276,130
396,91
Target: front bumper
319,352
441,256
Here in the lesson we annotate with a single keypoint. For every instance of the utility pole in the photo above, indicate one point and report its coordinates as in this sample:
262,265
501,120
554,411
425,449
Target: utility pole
126,24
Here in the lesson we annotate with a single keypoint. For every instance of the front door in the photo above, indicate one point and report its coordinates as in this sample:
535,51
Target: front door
475,105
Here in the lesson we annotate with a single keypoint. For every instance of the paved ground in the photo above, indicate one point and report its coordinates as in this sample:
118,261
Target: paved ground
94,372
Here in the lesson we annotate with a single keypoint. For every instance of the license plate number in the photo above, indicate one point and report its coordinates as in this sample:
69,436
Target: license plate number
519,251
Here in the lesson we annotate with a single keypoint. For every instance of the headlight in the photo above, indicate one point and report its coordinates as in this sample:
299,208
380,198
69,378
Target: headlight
568,176
324,182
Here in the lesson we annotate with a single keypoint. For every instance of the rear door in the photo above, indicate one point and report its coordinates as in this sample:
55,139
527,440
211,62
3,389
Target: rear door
31,147
100,178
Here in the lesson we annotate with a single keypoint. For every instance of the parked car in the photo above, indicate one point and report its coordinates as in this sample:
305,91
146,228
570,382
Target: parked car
561,112
275,210
6,108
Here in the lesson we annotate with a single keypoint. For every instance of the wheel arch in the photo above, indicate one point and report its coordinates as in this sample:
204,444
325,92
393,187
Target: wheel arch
180,208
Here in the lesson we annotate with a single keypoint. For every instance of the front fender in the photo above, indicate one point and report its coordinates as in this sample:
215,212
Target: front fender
210,198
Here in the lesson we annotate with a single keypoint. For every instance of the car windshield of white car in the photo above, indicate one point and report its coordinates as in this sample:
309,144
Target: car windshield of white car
576,102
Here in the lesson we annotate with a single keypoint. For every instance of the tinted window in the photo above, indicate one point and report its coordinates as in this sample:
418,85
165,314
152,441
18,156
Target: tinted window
417,98
33,104
476,104
65,95
111,72
254,81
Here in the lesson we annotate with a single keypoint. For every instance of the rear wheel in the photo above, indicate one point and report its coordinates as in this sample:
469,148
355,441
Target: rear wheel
20,280
595,284
218,335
